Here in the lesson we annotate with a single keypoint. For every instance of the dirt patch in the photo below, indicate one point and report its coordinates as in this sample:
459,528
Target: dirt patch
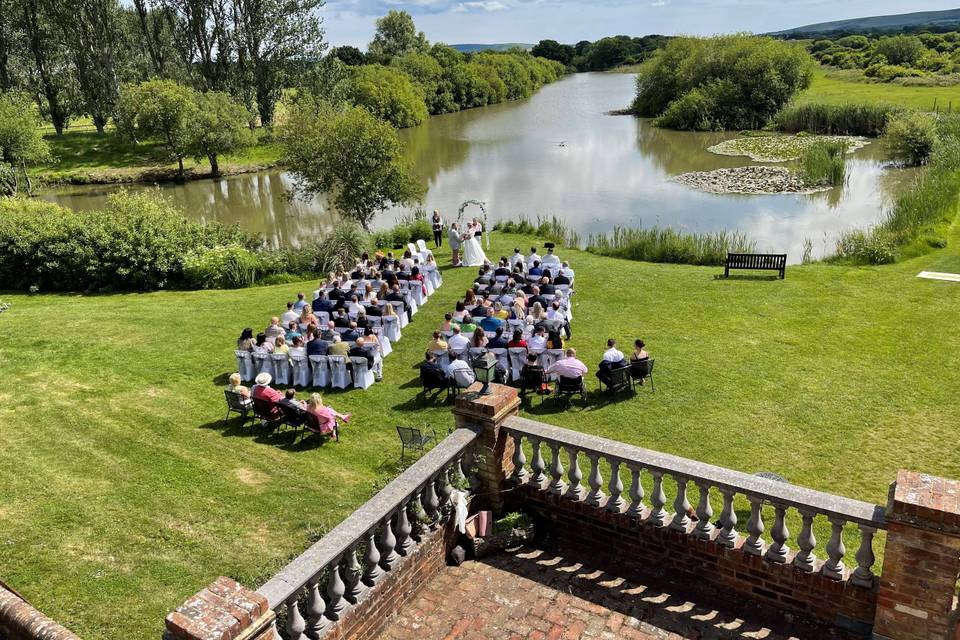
250,477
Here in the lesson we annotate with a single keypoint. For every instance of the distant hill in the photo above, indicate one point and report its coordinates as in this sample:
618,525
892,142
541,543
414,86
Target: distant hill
936,20
473,48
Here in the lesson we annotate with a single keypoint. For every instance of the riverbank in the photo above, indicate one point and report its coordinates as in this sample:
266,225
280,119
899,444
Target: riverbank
113,399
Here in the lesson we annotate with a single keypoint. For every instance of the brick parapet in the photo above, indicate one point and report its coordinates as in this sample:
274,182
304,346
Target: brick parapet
19,620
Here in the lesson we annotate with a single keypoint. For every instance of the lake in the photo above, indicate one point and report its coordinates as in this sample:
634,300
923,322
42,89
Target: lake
559,154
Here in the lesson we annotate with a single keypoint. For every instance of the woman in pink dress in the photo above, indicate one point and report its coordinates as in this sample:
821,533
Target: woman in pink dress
326,417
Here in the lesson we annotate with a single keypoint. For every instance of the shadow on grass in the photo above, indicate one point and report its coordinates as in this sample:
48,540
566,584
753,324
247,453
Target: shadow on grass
293,439
758,278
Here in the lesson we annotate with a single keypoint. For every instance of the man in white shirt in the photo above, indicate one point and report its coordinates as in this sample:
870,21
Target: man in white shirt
289,315
462,373
538,341
516,258
533,257
612,359
550,260
458,341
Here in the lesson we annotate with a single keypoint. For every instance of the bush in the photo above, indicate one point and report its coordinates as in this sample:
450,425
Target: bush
824,163
228,267
867,247
911,136
690,112
382,239
887,72
868,119
387,93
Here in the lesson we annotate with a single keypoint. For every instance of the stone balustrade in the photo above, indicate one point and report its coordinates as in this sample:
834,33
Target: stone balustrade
319,587
554,467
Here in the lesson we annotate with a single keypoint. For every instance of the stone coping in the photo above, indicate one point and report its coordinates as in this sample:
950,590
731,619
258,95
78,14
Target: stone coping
778,493
366,518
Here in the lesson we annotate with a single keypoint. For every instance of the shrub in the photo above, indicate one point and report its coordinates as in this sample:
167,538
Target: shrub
690,112
420,230
911,136
824,163
227,267
887,72
867,119
867,247
382,239
387,93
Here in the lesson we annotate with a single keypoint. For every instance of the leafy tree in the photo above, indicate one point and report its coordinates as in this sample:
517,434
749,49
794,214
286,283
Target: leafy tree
608,53
426,73
348,55
387,93
21,140
161,109
900,50
447,56
37,22
206,42
553,50
911,136
396,35
220,125
352,156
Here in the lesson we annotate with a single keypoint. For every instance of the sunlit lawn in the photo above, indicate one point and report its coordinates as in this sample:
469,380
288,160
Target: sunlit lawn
830,87
123,494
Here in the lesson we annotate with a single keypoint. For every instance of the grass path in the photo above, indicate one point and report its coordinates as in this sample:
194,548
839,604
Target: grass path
123,494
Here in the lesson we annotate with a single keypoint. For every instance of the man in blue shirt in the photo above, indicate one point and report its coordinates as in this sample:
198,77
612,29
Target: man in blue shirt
491,323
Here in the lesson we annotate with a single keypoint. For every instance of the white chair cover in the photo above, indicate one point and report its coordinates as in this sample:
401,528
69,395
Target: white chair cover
321,371
458,354
518,357
428,282
400,308
385,347
413,250
391,328
362,375
434,274
503,359
323,317
425,251
411,300
301,371
548,357
416,291
375,321
245,366
263,363
339,374
476,352
281,368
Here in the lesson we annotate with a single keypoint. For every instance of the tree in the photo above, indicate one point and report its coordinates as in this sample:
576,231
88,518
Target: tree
608,53
348,55
396,35
155,28
276,40
50,58
425,72
553,50
911,136
204,36
162,109
387,93
220,125
902,50
352,156
21,140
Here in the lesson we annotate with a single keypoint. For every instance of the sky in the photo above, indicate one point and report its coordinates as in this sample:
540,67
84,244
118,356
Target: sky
529,21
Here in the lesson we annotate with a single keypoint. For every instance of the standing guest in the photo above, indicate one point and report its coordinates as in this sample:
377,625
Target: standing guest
326,417
437,224
453,237
234,386
245,342
639,352
497,341
438,343
289,314
275,329
569,366
612,359
300,303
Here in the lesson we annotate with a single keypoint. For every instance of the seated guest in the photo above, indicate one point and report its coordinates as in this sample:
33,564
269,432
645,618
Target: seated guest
561,279
336,294
352,334
497,341
246,342
462,373
263,345
322,303
535,270
326,416
518,311
533,257
275,329
362,322
383,292
289,314
234,386
491,323
569,366
438,343
566,271
407,260
290,402
342,320
458,341
536,314
360,350
459,311
554,341
280,345
484,277
329,331
447,320
537,298
318,347
479,339
612,359
499,311
416,276
516,260
467,326
338,347
431,371
639,353
306,316
470,298
538,341
527,289
550,260
517,341
368,293
395,295
503,269
293,331
354,307
554,312
300,303
298,349
389,311
547,289
533,371
373,309
264,392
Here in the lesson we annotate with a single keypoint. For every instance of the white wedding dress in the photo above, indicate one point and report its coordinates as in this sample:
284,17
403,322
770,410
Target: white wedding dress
473,255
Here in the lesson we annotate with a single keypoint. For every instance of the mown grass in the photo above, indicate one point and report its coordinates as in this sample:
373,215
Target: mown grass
123,494
831,88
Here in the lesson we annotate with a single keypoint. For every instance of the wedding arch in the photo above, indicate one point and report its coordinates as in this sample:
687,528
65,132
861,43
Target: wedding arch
483,210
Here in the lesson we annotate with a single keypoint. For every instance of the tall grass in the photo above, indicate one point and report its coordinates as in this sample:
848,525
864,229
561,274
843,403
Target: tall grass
657,244
552,229
867,119
824,163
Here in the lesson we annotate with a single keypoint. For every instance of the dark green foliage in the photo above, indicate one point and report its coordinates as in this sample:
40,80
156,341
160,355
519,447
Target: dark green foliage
911,136
348,55
606,53
726,82
824,163
866,119
888,57
387,93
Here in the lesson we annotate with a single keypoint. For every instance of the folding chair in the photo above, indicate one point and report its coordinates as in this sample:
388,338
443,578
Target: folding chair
641,370
339,375
503,360
321,371
281,368
236,403
443,358
619,380
301,371
435,382
293,417
566,388
413,438
548,357
531,379
362,375
268,412
245,366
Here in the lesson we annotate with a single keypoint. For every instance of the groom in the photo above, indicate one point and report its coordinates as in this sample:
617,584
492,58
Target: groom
453,237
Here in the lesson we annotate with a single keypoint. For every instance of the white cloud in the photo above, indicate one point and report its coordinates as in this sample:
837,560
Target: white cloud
483,5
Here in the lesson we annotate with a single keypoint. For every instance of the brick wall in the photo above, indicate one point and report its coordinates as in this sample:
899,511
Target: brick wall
643,547
20,621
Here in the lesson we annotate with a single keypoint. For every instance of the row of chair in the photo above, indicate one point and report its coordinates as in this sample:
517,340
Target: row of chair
307,371
272,415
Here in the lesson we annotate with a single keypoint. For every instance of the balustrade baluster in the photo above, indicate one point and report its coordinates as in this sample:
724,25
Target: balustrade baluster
658,515
681,506
728,518
704,528
536,464
863,575
469,469
352,574
595,480
754,544
778,551
519,460
636,494
433,503
443,480
416,505
615,487
575,491
404,529
335,591
315,607
295,622
387,544
459,478
557,486
833,567
807,542
372,559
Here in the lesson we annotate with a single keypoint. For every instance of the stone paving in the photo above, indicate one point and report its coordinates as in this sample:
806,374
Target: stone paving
537,595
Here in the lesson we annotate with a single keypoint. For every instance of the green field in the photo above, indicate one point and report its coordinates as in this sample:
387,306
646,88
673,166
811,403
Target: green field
831,87
124,494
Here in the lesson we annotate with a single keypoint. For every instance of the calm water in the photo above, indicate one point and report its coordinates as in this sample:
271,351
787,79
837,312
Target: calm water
559,154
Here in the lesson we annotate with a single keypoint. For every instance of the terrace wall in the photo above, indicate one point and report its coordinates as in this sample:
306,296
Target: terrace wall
19,620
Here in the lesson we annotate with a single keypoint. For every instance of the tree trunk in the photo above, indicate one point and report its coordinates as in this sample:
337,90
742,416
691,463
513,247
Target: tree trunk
26,179
100,122
214,165
180,174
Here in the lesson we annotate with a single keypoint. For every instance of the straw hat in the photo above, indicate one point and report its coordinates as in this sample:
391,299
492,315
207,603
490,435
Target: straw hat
264,378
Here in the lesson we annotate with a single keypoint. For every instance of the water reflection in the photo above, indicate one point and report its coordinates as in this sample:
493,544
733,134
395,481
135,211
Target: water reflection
559,154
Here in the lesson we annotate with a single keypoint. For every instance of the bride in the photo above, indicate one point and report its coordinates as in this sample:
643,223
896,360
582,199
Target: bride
473,255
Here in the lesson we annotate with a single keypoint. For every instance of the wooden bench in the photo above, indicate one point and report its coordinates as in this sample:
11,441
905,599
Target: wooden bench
765,261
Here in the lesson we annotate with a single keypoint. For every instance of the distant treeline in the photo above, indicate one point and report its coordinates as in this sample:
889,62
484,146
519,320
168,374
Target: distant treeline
888,57
604,54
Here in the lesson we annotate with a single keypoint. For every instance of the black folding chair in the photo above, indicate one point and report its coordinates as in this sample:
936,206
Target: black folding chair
532,379
566,388
435,380
236,403
618,381
312,425
292,417
641,370
267,412
414,438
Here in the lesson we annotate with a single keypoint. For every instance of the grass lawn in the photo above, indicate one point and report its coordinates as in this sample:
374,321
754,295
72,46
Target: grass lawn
123,494
85,156
830,87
